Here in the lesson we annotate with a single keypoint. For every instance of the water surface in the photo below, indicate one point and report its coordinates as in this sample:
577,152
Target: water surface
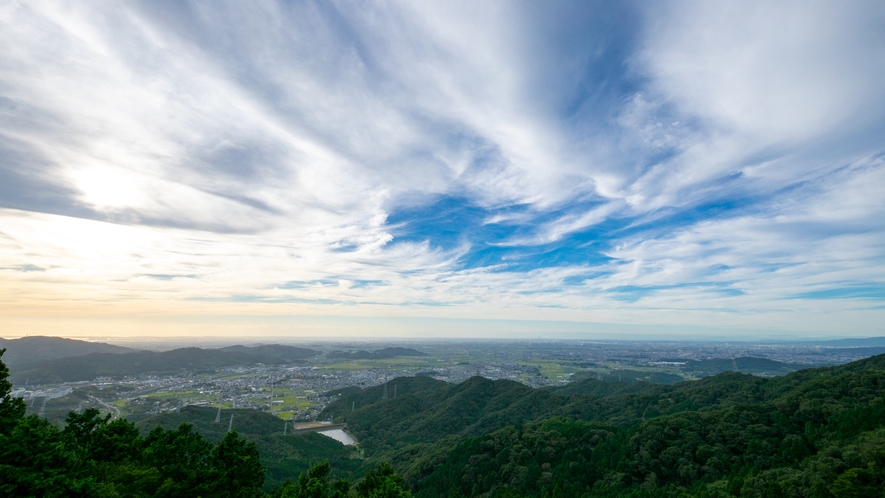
340,436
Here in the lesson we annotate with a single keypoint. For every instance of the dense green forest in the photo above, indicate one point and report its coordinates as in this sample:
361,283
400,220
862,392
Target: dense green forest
811,433
284,456
816,433
94,456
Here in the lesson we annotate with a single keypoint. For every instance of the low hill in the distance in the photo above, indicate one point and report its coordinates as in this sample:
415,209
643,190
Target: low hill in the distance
762,367
33,349
859,350
112,365
273,351
864,342
630,376
750,365
381,354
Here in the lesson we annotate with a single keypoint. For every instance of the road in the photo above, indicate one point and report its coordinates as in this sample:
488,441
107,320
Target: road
115,412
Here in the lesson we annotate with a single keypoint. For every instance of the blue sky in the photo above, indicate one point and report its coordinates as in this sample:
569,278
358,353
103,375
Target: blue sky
676,168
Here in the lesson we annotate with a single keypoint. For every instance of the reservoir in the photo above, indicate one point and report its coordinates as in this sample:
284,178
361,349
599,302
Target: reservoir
339,435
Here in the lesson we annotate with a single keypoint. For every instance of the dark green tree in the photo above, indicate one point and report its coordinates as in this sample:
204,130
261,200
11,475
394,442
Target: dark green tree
235,468
856,483
315,483
11,409
34,461
382,482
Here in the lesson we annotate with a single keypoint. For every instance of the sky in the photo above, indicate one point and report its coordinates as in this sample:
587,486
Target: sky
442,169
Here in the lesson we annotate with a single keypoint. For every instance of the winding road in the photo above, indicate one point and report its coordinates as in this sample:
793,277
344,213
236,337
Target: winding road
115,412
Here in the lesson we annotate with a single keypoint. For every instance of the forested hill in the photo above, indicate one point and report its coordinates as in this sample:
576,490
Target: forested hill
38,348
279,351
94,365
427,410
757,366
94,456
816,433
733,434
381,354
284,456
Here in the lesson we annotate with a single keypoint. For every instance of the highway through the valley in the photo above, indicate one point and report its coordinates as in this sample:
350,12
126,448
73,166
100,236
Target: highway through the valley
115,412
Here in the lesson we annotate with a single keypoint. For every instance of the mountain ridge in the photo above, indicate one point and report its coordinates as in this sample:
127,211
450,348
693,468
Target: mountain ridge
32,349
115,365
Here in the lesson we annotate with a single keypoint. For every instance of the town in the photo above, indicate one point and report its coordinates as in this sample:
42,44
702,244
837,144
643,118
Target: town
299,392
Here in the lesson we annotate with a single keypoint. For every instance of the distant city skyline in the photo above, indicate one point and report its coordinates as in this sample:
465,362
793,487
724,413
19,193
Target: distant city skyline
500,169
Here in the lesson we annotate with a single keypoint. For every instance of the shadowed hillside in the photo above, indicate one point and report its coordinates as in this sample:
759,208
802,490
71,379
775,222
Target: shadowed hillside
756,366
283,456
429,410
94,365
814,433
38,348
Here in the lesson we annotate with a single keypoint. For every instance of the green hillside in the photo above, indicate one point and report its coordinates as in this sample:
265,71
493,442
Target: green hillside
283,456
247,422
479,406
756,366
815,433
353,397
630,376
728,431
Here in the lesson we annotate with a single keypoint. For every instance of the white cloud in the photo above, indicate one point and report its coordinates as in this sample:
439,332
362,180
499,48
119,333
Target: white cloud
240,146
773,72
823,236
780,92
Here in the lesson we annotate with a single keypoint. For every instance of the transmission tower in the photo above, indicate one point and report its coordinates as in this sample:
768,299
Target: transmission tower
231,424
42,412
285,426
218,415
384,396
394,390
352,406
271,396
80,408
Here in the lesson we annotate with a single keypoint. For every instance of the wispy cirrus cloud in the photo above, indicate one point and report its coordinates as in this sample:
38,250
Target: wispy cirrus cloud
675,163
